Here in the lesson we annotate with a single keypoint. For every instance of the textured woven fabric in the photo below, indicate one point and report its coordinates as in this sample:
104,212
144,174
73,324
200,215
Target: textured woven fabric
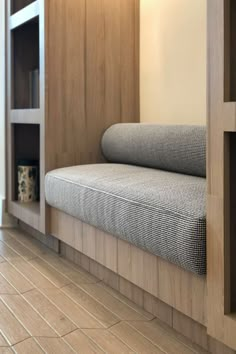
161,212
172,148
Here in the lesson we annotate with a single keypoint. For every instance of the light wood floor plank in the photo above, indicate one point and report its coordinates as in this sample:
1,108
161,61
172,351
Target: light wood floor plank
33,275
2,260
31,320
157,334
174,334
5,287
106,317
10,326
120,309
107,341
134,340
58,321
55,346
6,351
122,298
78,277
49,272
7,253
3,342
80,342
16,246
29,346
50,305
77,314
16,279
29,242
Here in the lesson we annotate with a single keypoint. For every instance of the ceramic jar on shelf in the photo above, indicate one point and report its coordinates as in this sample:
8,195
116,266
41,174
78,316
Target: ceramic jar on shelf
28,181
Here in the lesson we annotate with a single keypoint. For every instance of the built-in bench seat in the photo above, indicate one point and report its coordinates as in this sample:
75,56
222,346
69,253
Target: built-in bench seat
151,194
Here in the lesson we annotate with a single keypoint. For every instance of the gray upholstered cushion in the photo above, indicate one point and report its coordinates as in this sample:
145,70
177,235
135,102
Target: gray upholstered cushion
177,148
161,212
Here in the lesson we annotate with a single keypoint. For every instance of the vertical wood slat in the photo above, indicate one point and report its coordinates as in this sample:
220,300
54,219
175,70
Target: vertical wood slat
95,77
84,72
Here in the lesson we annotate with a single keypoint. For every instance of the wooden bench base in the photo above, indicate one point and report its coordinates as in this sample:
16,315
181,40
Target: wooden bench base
176,287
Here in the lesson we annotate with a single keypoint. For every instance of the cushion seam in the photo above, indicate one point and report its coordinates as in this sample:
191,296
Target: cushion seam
128,200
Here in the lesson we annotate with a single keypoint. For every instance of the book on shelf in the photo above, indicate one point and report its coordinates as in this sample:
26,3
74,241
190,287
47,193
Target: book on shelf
34,88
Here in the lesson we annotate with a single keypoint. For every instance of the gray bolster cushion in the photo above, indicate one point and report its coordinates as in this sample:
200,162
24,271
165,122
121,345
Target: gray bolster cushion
175,148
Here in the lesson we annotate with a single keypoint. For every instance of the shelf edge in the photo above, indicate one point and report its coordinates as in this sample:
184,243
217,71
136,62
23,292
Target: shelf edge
25,116
25,15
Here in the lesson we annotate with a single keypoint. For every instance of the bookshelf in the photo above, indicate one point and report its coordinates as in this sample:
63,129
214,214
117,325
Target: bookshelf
73,70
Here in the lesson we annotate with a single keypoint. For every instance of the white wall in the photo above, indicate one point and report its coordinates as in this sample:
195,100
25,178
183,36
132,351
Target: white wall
173,61
2,100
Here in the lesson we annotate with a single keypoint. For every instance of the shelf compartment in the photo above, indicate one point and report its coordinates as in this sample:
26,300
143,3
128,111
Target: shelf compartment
25,116
17,5
230,222
230,51
25,15
25,75
26,146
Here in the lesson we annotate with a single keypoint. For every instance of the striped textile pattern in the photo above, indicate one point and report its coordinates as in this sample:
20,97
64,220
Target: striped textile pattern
161,212
176,148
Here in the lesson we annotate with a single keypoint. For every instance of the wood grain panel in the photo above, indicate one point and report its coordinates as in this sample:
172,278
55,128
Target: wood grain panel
87,239
165,280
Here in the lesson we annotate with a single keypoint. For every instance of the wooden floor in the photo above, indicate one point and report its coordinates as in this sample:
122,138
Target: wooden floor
49,305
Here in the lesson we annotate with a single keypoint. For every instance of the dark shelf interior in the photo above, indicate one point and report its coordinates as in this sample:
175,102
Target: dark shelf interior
230,51
230,220
25,62
17,5
26,139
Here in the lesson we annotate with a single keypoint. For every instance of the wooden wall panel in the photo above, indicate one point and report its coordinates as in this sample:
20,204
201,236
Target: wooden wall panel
89,85
65,65
95,77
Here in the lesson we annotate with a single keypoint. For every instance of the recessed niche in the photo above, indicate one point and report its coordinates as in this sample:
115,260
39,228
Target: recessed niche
17,5
230,51
25,65
26,149
230,222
